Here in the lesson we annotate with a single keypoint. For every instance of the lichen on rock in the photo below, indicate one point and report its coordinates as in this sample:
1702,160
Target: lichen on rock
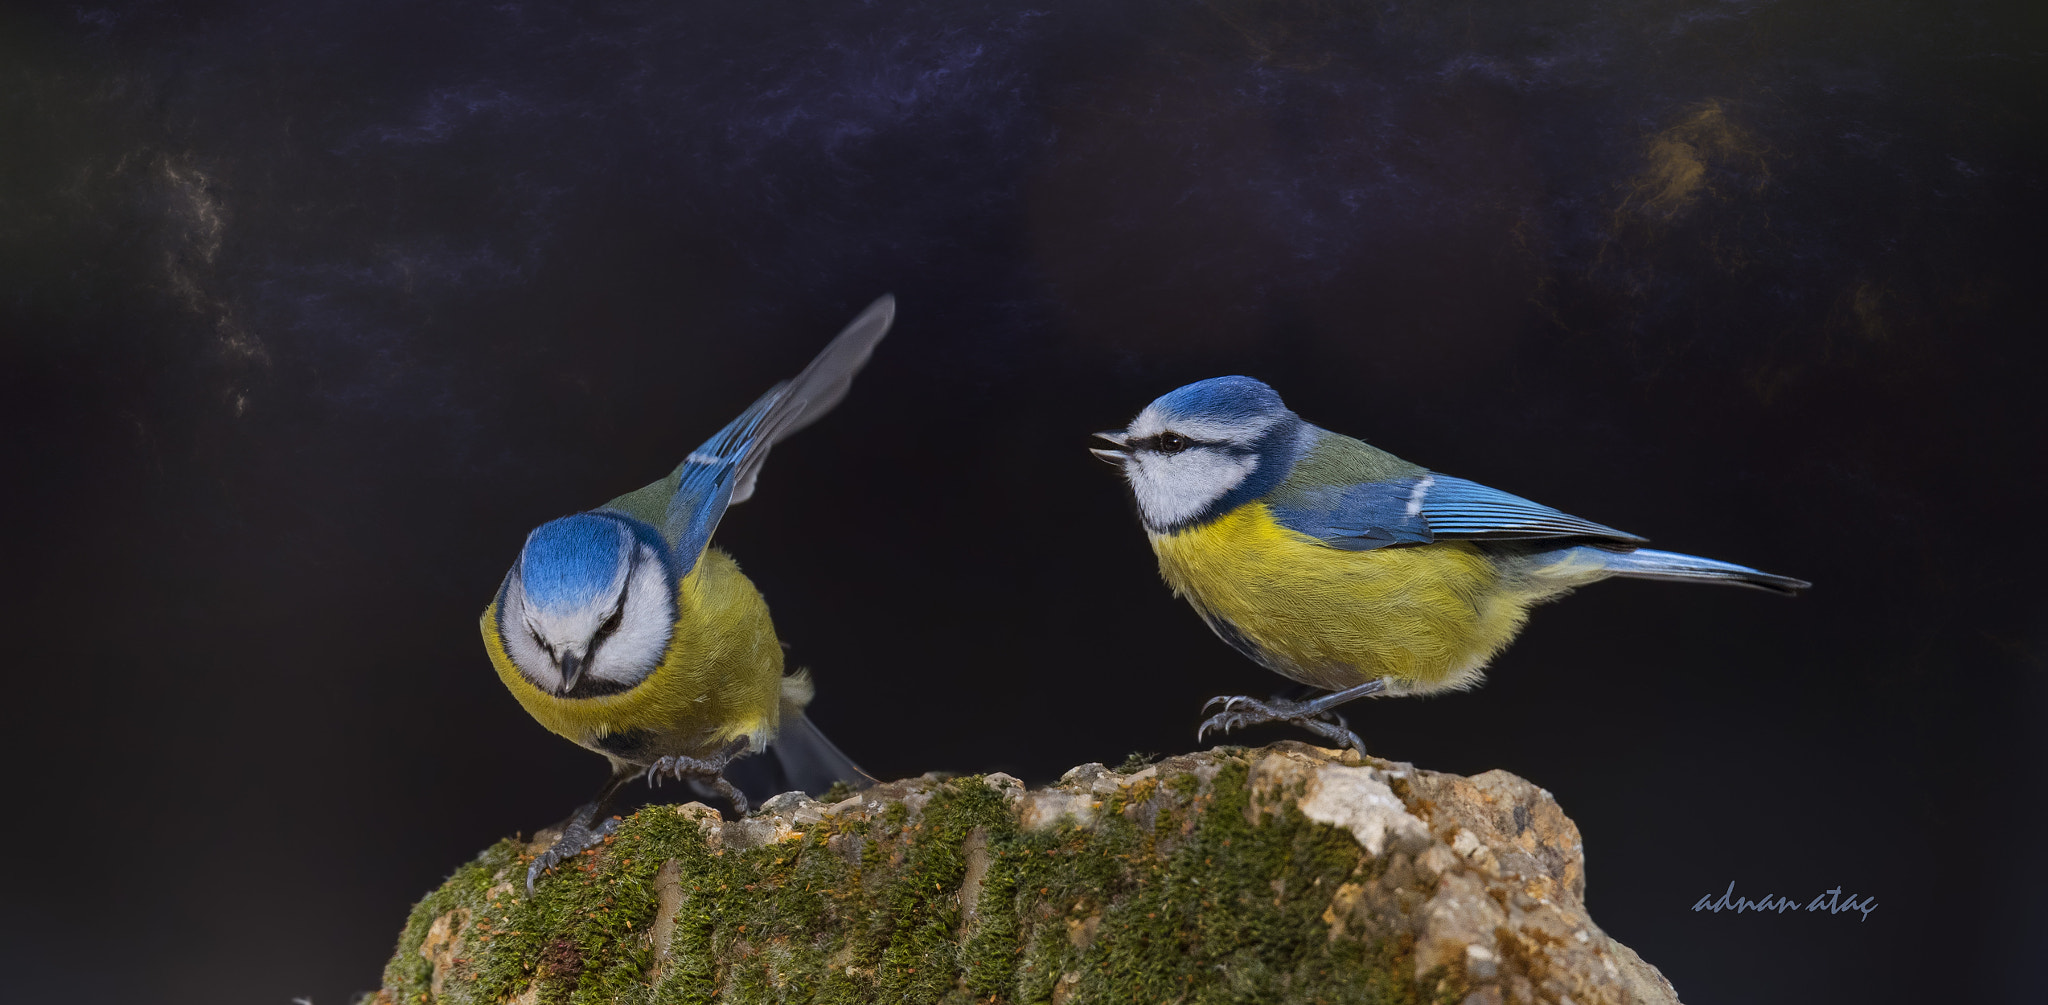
1281,874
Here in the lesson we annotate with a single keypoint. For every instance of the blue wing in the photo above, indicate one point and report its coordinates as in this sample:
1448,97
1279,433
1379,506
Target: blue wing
1456,508
1428,508
688,504
707,478
1357,517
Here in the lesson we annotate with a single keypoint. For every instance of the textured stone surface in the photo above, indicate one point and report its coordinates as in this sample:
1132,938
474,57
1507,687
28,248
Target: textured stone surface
1281,874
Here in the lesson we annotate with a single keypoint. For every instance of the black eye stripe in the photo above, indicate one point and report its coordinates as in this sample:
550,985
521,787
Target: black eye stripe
618,614
1170,442
610,624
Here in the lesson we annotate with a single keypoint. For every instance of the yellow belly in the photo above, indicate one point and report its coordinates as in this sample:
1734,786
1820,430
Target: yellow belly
1426,618
719,679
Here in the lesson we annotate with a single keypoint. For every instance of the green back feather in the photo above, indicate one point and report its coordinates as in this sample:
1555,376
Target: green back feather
650,505
1336,459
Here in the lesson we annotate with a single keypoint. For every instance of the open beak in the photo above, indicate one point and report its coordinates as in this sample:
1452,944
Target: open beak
1119,451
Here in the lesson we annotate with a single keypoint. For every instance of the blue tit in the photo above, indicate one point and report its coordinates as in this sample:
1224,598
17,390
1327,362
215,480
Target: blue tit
1345,568
625,631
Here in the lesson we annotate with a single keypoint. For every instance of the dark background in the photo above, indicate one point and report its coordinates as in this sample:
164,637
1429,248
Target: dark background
311,310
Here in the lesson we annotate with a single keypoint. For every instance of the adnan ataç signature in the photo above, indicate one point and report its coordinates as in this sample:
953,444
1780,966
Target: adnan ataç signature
1829,901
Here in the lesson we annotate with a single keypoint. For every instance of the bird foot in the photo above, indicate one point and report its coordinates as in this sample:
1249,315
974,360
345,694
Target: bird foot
707,770
1240,711
577,835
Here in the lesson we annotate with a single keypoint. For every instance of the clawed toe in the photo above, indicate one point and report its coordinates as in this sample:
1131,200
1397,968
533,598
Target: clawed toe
577,835
1228,720
706,768
1225,721
1336,734
1240,711
709,770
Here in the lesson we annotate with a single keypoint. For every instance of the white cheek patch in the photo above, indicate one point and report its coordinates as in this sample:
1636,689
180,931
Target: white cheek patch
634,649
526,654
1172,488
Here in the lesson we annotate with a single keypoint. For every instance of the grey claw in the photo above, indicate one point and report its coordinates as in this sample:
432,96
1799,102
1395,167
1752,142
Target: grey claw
1222,723
577,835
710,770
1240,711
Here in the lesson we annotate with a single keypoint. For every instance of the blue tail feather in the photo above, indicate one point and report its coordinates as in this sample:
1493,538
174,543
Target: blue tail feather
1644,563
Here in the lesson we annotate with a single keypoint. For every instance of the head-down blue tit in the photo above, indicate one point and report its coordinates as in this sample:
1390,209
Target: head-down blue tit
1348,569
623,630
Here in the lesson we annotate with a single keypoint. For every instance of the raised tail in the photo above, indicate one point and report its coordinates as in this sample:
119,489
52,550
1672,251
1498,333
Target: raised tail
1644,563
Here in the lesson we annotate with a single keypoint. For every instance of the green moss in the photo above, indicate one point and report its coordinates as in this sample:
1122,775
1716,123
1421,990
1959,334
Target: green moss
1171,893
411,971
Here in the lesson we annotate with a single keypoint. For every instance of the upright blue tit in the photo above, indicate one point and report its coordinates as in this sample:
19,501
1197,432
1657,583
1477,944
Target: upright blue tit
1348,569
624,631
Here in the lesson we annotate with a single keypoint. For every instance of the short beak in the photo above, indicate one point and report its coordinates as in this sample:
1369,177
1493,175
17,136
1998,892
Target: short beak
572,671
1116,454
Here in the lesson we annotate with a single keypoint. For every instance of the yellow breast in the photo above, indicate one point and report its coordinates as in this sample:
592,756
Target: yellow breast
1427,618
719,679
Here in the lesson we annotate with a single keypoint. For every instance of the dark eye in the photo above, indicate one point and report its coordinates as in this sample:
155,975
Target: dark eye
1172,443
541,642
611,624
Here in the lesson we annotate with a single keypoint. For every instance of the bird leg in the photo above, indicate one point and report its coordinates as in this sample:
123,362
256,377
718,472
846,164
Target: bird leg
708,770
1318,716
578,832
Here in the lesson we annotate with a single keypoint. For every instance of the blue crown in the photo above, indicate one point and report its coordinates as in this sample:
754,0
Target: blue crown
569,563
1227,398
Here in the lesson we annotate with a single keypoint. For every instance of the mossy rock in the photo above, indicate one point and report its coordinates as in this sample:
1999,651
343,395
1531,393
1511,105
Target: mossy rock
1283,874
